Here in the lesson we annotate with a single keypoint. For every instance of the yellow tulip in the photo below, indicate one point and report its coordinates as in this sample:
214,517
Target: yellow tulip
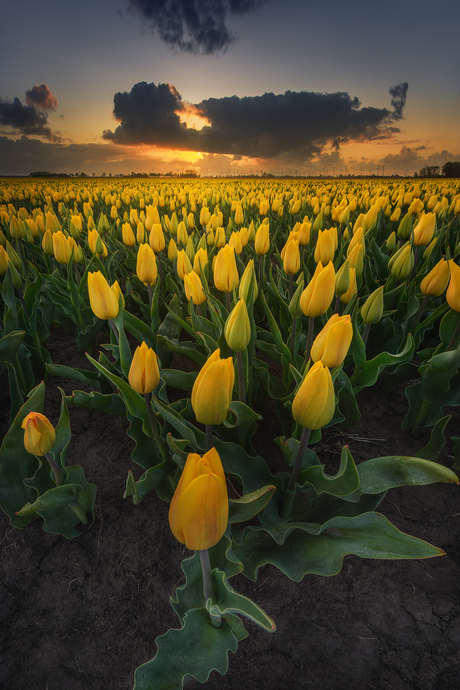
424,230
239,218
39,434
346,297
324,250
183,265
372,309
198,513
262,241
331,345
172,250
200,260
129,240
225,271
453,291
61,248
144,374
237,329
319,293
96,244
436,281
103,299
157,238
314,404
146,265
193,288
212,390
402,262
3,261
243,290
291,259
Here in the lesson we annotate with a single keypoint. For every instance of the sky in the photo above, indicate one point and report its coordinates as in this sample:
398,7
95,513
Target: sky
224,87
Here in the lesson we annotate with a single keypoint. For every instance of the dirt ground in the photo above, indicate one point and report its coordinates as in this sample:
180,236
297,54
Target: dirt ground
83,614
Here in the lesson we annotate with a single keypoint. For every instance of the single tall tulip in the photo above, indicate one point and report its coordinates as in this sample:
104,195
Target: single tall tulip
198,513
39,434
319,293
212,390
193,288
146,265
144,374
262,241
102,298
225,271
237,329
314,404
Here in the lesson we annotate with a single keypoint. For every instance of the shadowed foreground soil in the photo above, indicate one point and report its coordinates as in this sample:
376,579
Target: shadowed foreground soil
85,613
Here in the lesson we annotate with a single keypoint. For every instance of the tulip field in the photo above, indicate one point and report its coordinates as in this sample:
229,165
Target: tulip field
217,395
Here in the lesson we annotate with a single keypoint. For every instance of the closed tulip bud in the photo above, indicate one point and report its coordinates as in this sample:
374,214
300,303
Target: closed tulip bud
39,434
453,291
3,261
294,305
424,230
319,293
198,513
190,249
103,224
332,343
146,265
76,227
245,282
405,227
342,278
304,233
263,209
314,403
116,289
15,231
140,232
144,374
129,239
344,216
262,240
237,329
183,265
319,222
346,297
324,250
402,262
47,243
225,271
75,251
291,261
200,260
239,217
391,242
190,220
96,244
219,237
251,232
436,281
429,249
370,218
102,298
212,390
193,288
52,222
114,212
356,259
395,215
61,248
205,215
372,309
182,234
172,250
235,241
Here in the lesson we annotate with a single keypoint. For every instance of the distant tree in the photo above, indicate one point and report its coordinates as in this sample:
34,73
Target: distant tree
430,171
451,169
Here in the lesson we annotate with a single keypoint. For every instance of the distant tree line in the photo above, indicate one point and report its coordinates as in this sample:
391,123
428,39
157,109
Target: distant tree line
449,169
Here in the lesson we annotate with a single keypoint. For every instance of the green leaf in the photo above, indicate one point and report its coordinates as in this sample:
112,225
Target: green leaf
110,403
53,498
247,506
194,651
369,372
343,483
437,441
229,601
149,480
9,346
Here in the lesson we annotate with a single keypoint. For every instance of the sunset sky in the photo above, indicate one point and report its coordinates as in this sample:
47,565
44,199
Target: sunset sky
228,86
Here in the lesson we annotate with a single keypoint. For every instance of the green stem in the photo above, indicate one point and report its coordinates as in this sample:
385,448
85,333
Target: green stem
209,437
209,588
149,288
54,466
366,333
154,427
421,413
241,381
291,286
311,326
79,512
299,458
293,332
114,329
453,340
419,313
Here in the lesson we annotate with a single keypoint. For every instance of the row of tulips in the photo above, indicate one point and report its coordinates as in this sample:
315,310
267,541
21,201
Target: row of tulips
301,292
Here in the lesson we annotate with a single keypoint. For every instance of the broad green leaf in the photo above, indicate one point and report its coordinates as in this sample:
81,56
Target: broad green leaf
247,506
229,601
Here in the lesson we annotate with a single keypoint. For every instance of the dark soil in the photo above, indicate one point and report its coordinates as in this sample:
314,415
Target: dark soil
85,613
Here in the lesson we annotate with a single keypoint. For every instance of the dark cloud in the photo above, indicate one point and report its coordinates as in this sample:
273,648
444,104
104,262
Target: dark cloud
294,124
193,26
398,100
41,97
29,119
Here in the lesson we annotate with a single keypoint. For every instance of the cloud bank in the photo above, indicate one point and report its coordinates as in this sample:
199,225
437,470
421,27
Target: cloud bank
193,26
30,119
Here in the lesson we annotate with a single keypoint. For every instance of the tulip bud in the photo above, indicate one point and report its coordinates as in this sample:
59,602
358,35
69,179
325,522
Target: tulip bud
146,265
193,288
225,271
47,243
294,305
200,260
356,259
245,282
144,374
103,224
212,390
183,265
262,240
436,281
429,249
291,259
103,299
402,262
172,250
424,230
39,434
61,248
96,244
129,239
342,278
239,218
453,291
391,242
395,215
353,288
205,215
182,234
319,293
319,222
3,261
198,513
405,227
314,403
332,343
372,309
237,329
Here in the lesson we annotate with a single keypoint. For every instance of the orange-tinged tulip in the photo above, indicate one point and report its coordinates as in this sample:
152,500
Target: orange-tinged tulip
436,281
39,434
212,390
103,299
453,291
144,374
146,265
314,404
193,288
198,513
225,271
331,345
319,293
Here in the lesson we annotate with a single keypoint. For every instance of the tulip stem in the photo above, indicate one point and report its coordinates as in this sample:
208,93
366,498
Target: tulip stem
299,458
209,588
149,288
209,437
454,338
154,427
241,381
114,329
366,333
291,286
311,326
293,332
160,268
54,466
337,304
